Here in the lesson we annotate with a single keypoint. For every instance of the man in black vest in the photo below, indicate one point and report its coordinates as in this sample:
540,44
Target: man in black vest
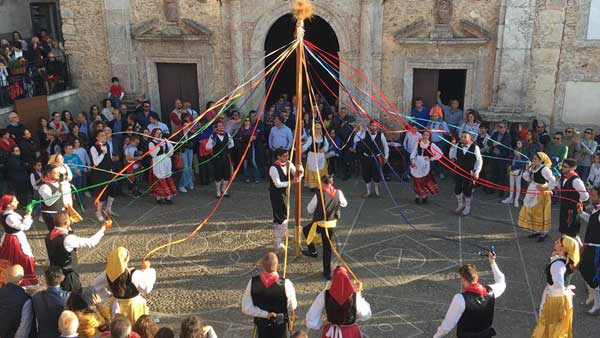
220,143
282,174
270,300
49,304
472,311
573,193
51,194
590,266
373,150
62,246
15,306
468,157
333,200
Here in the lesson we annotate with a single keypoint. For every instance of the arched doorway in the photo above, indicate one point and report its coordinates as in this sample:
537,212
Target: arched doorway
320,33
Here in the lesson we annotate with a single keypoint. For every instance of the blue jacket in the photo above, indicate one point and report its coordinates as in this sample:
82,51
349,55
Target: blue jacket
47,307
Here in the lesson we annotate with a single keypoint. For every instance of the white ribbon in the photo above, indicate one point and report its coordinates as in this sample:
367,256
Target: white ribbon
334,332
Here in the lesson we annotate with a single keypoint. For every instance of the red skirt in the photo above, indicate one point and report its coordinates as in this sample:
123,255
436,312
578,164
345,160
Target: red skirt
426,185
164,187
347,331
12,252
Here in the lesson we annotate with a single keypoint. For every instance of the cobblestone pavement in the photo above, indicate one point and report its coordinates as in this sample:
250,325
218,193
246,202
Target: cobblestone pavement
409,275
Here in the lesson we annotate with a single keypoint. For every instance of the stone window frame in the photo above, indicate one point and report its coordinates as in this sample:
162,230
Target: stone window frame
582,26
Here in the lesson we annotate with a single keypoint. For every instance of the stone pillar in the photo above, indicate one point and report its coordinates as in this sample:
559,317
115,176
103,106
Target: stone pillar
237,42
371,41
512,71
121,57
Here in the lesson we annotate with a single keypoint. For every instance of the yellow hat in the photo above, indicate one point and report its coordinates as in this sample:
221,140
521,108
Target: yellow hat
545,159
117,263
571,248
52,159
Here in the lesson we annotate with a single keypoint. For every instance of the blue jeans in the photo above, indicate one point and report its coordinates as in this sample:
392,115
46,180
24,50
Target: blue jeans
116,101
187,174
250,168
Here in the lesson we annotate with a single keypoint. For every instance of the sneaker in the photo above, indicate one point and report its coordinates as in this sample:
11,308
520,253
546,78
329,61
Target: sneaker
507,200
417,200
466,211
182,189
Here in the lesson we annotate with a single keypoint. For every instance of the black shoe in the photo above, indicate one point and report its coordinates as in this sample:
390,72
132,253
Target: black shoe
417,200
308,253
542,238
169,201
159,201
535,235
424,200
327,276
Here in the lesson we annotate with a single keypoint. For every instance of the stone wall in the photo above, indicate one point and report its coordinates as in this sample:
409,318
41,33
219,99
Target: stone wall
15,16
84,32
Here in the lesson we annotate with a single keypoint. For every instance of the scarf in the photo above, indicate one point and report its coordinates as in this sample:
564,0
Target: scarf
341,287
5,200
279,163
57,231
569,175
477,288
269,278
49,180
220,133
329,189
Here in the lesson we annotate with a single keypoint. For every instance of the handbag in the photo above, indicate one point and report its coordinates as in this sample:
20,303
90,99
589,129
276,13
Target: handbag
177,162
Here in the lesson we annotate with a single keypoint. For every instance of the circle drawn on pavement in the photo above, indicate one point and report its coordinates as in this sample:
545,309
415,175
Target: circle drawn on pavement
399,258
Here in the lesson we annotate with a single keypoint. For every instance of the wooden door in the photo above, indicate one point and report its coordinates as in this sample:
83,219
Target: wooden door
177,81
425,85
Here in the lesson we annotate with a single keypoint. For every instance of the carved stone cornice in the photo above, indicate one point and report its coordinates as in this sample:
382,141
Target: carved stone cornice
186,29
473,29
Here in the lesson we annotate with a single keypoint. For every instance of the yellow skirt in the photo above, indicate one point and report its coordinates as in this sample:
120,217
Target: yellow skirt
132,308
311,178
556,320
539,217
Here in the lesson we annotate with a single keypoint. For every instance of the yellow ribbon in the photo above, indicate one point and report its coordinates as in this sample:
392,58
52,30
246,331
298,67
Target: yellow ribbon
313,230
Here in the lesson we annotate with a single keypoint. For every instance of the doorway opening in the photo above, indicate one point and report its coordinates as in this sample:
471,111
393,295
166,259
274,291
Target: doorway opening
320,33
177,81
450,82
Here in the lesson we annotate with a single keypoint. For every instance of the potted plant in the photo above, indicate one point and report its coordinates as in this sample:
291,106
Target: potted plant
17,67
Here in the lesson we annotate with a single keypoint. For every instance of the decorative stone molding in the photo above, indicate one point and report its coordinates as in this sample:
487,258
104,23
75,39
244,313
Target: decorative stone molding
186,29
421,32
474,29
413,30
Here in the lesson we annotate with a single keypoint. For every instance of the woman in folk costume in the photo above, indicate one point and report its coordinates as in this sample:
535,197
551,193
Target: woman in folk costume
535,214
125,284
161,151
14,246
343,305
316,165
556,311
102,174
420,168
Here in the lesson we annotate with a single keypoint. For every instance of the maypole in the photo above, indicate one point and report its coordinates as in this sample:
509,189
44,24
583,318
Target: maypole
301,10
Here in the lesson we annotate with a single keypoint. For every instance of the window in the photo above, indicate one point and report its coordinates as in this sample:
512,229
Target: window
593,31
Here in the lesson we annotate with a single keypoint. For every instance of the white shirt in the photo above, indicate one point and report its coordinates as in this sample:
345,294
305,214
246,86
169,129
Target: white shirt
312,205
143,280
594,177
73,242
274,173
580,187
361,136
436,152
478,159
96,156
47,196
411,140
546,173
211,141
34,184
308,145
457,307
249,309
313,317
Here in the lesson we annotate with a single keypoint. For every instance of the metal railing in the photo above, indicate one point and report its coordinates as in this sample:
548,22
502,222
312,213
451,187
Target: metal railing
35,80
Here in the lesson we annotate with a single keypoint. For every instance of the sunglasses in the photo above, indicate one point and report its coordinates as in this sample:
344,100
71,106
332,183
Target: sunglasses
588,132
557,138
568,131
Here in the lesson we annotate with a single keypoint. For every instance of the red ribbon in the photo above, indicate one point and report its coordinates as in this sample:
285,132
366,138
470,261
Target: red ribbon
269,278
476,288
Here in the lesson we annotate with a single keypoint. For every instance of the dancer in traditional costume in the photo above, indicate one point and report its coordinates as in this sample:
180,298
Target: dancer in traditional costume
373,150
468,157
590,261
536,210
282,174
62,246
270,300
14,246
325,207
556,311
124,285
423,179
51,194
472,311
161,151
221,143
102,173
572,194
316,164
343,304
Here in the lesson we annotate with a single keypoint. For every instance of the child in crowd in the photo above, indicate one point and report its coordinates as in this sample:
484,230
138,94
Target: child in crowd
116,93
132,154
594,176
35,178
516,174
75,163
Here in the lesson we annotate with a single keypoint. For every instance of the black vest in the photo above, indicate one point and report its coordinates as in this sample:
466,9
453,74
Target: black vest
592,233
59,256
332,207
568,194
283,177
58,206
220,148
369,147
7,229
466,161
130,291
106,162
538,177
549,274
13,298
478,317
340,314
272,299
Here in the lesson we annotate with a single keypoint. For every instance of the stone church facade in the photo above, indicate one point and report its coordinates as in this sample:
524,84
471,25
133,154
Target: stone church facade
520,58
